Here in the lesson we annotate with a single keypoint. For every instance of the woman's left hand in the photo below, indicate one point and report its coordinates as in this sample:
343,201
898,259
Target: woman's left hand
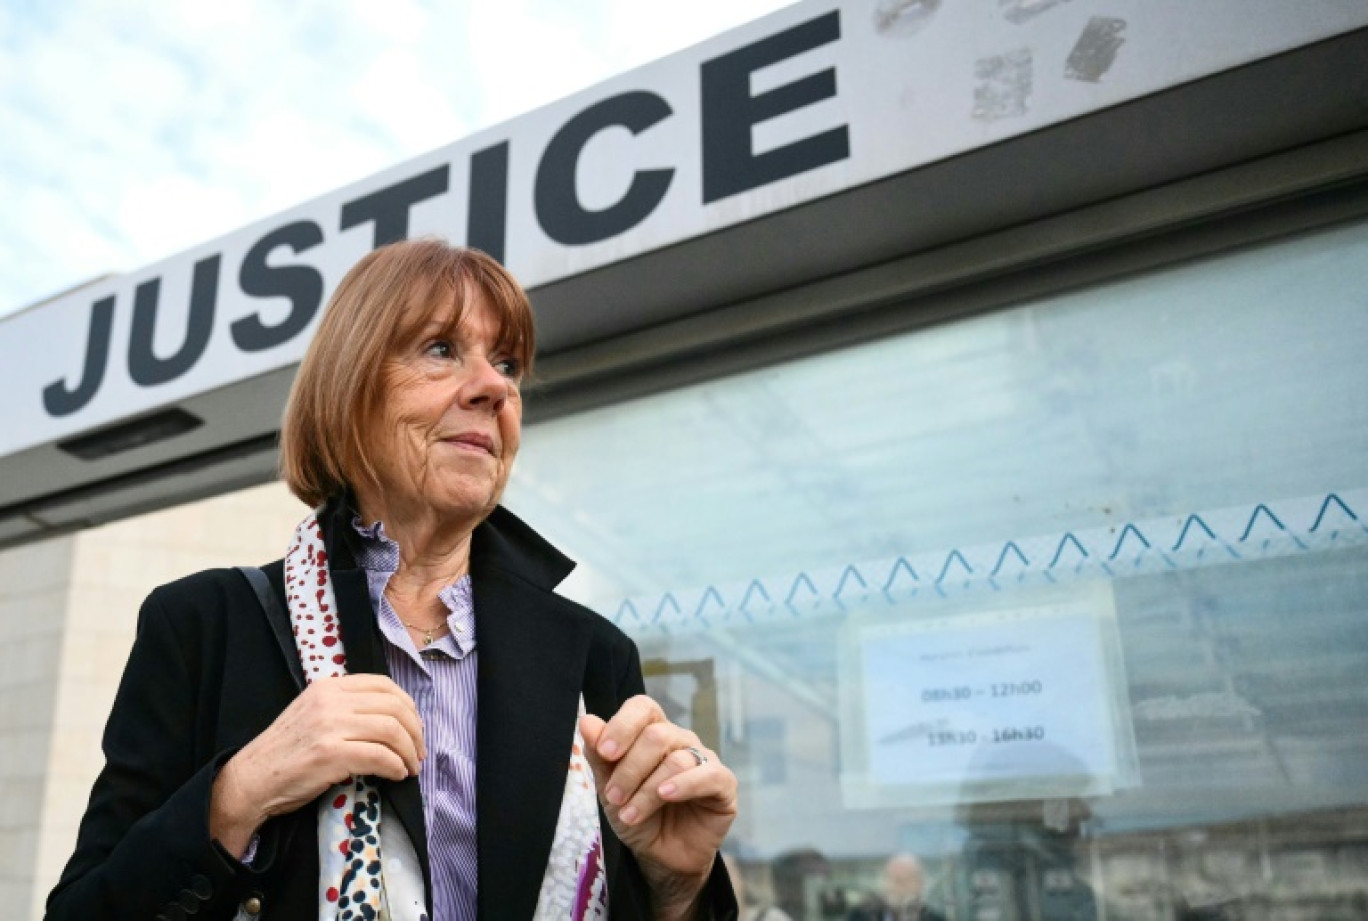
671,810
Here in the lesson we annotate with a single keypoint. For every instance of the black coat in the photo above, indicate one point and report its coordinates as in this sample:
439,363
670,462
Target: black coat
209,671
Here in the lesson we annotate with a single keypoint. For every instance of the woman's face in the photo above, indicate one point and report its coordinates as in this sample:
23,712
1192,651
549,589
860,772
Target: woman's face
449,421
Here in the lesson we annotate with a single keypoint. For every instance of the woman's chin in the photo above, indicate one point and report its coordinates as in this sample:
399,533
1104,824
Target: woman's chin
467,502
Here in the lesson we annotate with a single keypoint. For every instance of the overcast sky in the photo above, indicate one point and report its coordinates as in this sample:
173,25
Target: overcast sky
132,129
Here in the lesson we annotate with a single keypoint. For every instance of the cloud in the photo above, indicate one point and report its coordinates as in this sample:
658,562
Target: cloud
133,131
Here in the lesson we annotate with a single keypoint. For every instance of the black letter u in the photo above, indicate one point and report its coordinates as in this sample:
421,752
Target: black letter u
146,368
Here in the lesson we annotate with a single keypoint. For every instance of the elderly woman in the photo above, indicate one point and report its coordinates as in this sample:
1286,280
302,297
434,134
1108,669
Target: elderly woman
400,719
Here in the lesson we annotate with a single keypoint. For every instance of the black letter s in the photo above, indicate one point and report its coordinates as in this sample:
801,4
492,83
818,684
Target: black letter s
302,284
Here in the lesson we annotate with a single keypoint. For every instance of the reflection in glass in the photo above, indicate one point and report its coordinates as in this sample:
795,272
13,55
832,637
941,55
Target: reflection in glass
1179,459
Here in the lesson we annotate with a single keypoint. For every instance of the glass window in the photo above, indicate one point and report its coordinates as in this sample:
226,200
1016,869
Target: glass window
1057,612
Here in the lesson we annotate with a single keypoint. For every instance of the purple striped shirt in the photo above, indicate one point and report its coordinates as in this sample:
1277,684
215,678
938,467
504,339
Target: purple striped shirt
441,681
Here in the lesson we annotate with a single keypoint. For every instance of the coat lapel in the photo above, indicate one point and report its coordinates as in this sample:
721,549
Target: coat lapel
531,655
531,667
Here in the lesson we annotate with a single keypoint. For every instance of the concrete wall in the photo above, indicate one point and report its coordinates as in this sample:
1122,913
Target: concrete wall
34,584
68,612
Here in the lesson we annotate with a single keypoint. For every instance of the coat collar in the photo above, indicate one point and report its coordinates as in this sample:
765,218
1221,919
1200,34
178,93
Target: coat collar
532,649
502,541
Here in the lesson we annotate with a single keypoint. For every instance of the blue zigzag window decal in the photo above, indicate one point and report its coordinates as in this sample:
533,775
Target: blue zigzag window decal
1266,512
900,566
1196,519
1339,503
1263,529
711,593
755,586
802,579
668,599
945,570
1187,525
1064,541
1128,530
1002,557
1260,509
626,608
845,577
950,558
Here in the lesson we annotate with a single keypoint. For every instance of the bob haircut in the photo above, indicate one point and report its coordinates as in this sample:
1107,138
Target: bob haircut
381,304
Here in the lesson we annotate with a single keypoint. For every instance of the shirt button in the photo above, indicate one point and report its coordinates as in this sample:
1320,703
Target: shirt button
252,905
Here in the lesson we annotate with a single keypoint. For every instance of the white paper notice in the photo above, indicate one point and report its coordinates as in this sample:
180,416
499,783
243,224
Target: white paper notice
981,702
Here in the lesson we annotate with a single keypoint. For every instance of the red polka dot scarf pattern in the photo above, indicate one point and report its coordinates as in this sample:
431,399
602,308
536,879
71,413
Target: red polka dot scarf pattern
365,873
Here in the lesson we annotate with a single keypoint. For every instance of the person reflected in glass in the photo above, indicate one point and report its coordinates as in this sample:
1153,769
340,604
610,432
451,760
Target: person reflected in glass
797,874
753,908
900,896
400,719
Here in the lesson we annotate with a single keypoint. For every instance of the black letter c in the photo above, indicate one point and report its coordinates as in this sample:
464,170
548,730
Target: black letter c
558,207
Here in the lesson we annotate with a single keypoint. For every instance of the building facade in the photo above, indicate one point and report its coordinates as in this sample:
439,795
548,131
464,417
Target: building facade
963,406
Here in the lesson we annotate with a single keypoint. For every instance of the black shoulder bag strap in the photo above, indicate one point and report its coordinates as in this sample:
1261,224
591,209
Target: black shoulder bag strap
277,617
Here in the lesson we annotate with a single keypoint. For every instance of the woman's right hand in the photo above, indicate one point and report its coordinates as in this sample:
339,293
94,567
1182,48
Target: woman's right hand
338,727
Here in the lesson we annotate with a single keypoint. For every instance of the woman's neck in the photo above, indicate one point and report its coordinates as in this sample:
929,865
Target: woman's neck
427,569
433,553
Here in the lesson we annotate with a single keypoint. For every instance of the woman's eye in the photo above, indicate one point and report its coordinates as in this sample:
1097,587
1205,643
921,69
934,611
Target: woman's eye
509,367
439,349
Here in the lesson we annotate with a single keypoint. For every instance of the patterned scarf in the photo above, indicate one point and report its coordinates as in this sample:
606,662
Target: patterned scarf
367,867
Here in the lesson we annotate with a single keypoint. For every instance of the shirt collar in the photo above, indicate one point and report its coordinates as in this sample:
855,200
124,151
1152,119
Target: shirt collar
502,541
378,554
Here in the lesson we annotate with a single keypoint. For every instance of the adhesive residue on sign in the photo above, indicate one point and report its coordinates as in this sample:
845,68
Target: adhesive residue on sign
1095,51
903,17
1018,11
1004,85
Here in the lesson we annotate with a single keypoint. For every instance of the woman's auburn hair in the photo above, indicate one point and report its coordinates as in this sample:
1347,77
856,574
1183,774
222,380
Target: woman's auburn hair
382,302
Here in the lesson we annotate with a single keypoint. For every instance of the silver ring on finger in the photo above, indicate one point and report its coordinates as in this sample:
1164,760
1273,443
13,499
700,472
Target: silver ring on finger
701,758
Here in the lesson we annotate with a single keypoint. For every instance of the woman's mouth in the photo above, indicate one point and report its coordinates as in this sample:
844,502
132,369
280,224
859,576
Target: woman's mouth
473,441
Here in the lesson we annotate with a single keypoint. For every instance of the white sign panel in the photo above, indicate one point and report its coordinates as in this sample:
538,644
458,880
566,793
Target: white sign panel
1010,705
987,701
814,99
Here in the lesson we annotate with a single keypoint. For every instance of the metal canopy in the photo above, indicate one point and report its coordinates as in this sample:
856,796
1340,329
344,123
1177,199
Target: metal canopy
1047,209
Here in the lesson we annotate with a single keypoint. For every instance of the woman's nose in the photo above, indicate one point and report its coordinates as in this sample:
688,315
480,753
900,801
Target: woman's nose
485,387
